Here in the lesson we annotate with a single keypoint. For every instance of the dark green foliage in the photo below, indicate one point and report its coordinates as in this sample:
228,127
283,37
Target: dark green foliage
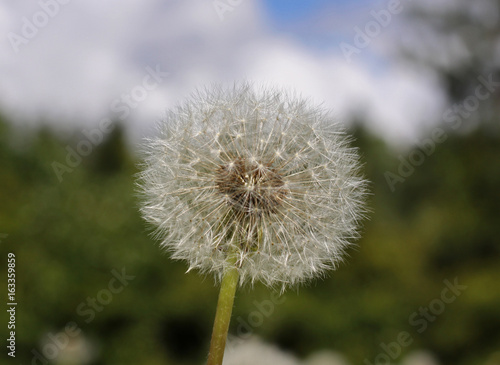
440,224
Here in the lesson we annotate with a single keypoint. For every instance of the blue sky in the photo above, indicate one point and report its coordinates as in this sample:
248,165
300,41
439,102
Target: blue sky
286,10
319,24
283,11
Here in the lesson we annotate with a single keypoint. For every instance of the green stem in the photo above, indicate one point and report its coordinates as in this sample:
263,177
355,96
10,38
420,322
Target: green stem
223,314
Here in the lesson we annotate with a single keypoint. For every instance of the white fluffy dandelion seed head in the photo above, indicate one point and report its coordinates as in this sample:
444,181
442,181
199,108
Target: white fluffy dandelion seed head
257,174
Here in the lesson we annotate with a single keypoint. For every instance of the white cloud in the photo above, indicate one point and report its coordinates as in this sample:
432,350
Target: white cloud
92,51
396,101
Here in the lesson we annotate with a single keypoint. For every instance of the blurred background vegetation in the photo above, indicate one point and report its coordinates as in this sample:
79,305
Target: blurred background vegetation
441,223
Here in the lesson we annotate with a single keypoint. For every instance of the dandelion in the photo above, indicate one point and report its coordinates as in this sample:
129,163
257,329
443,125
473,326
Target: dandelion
255,351
326,357
252,186
420,357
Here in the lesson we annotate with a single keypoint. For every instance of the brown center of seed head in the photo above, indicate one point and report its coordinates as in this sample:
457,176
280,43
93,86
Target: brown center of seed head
251,187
